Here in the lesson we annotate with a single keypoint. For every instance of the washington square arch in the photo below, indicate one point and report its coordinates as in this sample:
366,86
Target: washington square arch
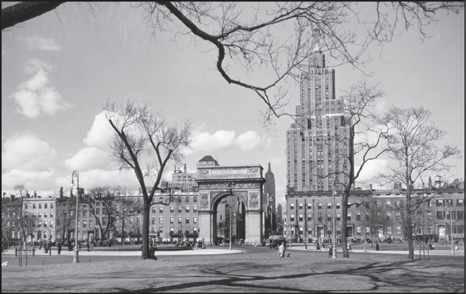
218,182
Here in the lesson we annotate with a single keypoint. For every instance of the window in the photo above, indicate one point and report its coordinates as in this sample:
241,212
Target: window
319,205
398,230
291,217
34,206
195,208
397,216
161,220
301,230
309,217
300,205
389,216
309,206
45,205
291,205
329,205
440,214
195,199
309,231
172,220
172,209
440,202
358,230
187,220
348,218
389,204
300,217
40,205
368,230
160,209
459,202
45,224
194,220
180,209
329,217
179,220
153,210
319,217
40,214
45,214
358,216
25,206
51,205
84,224
338,205
187,208
153,220
187,199
389,230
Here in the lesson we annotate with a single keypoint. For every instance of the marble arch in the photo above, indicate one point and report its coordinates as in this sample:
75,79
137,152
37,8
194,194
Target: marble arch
218,182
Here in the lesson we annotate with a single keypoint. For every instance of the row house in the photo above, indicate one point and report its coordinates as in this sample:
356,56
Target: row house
375,214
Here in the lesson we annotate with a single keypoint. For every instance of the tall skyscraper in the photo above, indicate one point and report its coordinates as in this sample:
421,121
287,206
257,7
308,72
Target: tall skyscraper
268,202
317,142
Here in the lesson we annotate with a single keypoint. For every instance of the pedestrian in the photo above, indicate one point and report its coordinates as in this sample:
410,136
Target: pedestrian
281,250
45,247
152,252
40,244
323,246
317,246
377,248
59,246
305,245
349,246
330,250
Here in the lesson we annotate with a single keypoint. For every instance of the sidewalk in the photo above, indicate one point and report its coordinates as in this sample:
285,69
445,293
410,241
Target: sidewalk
372,250
11,252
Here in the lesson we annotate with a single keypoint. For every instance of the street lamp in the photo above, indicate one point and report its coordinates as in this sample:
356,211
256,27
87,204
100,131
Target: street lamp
451,232
75,174
334,249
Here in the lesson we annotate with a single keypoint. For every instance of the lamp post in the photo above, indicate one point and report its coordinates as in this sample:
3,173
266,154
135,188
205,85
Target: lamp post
334,249
75,174
451,232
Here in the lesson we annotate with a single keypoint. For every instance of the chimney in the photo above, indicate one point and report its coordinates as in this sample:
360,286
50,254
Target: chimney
61,193
35,194
185,168
370,187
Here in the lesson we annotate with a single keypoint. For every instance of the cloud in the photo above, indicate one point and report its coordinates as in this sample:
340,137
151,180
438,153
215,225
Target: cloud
27,152
36,96
32,180
87,159
39,43
205,142
372,168
248,140
100,133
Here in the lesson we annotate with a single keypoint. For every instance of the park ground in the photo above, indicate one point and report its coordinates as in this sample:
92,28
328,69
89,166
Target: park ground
255,270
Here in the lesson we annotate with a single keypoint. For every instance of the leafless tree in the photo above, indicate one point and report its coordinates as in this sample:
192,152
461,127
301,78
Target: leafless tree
412,144
101,205
126,208
29,225
374,216
361,139
20,188
143,137
245,34
66,215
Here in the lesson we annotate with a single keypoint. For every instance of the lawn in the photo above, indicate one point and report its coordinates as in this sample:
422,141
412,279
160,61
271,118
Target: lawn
241,275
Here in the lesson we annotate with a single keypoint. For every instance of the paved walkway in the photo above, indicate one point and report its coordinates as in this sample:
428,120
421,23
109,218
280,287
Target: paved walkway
11,252
372,250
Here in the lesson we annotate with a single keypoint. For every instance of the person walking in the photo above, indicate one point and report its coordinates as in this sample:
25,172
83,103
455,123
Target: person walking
40,244
330,250
88,246
281,250
59,246
377,248
45,247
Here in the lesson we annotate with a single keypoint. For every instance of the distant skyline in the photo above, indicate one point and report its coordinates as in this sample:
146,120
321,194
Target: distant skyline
59,69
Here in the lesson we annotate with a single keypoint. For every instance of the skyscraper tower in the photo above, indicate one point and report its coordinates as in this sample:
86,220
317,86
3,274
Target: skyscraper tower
317,142
268,202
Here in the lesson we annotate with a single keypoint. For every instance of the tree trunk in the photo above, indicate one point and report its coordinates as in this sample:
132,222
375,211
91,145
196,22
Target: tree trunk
344,211
122,232
145,230
409,227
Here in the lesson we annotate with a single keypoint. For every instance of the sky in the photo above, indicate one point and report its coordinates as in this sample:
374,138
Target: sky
59,69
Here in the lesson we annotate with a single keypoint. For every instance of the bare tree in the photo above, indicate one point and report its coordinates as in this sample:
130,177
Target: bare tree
65,219
245,36
413,146
101,202
29,225
362,140
125,209
20,188
138,135
374,216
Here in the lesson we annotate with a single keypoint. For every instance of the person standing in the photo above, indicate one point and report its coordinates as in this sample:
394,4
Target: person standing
40,244
88,246
59,246
281,250
377,248
45,247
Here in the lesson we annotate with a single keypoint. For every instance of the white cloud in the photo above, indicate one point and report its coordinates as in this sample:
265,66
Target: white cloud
372,168
87,159
32,180
36,96
27,152
100,133
39,43
205,142
248,140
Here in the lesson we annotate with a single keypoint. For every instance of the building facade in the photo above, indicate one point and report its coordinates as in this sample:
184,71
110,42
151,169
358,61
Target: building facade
316,143
376,214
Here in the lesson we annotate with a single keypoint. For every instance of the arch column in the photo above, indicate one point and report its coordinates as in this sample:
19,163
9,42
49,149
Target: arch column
253,227
205,225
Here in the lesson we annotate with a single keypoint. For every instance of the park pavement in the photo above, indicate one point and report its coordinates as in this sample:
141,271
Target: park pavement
459,252
122,252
